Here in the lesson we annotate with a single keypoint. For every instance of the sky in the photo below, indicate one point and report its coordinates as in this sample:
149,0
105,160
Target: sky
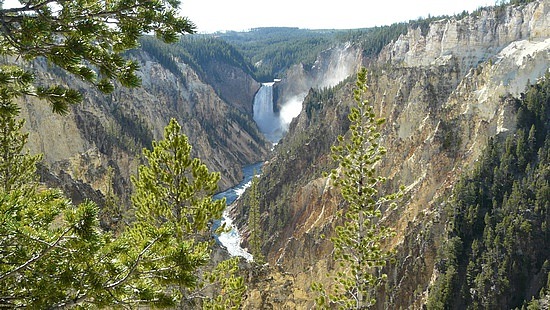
219,15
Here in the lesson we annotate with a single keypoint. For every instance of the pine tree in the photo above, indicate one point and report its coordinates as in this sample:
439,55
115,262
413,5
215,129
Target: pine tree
85,38
46,243
17,168
53,254
254,222
358,241
174,215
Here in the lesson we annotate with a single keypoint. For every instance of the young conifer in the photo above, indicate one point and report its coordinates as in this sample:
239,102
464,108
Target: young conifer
254,222
175,211
358,240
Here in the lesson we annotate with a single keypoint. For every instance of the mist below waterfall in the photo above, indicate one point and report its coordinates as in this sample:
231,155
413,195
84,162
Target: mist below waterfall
274,125
289,110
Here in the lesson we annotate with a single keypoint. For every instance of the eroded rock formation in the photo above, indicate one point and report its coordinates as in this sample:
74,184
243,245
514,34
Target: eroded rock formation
442,92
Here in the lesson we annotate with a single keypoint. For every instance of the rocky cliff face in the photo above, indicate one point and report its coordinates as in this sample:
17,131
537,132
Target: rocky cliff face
471,40
110,130
442,95
234,86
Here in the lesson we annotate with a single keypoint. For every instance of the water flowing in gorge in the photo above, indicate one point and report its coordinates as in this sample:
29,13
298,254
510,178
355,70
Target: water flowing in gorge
273,126
232,239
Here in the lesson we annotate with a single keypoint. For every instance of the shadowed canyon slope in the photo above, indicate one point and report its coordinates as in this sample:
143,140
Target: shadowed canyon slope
111,130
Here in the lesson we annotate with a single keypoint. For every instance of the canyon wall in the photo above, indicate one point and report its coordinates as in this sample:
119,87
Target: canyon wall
331,67
443,94
109,130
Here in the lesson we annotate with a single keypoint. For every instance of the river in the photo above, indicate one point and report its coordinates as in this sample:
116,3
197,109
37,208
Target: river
232,239
273,126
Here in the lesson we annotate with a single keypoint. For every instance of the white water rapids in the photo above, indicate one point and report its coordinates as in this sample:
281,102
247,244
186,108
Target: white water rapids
231,240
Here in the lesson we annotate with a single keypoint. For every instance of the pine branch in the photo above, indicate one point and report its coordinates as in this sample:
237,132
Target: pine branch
70,303
36,257
134,265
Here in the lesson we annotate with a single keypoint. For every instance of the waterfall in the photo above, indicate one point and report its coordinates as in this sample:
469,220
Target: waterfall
268,122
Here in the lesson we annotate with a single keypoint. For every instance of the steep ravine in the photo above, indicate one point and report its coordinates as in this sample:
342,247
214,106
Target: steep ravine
441,89
442,94
110,130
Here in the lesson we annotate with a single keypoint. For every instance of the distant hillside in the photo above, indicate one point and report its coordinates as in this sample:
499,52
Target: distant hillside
216,62
272,50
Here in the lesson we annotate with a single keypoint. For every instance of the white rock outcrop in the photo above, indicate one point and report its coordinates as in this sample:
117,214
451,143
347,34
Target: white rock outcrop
472,39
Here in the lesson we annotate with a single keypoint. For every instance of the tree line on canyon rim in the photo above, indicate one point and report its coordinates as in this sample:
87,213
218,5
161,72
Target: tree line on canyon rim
54,254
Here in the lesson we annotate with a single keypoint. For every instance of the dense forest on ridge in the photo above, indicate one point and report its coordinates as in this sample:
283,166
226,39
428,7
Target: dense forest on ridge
497,246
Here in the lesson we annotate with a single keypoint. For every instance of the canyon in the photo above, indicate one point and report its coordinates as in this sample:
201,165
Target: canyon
109,131
444,90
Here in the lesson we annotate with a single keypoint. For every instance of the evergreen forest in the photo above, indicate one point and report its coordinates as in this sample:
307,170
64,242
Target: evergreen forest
498,246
